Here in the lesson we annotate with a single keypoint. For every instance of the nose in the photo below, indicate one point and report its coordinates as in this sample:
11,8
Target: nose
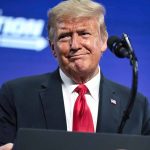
75,42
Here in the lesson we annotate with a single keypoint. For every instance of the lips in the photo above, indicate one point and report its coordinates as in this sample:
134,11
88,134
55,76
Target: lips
76,55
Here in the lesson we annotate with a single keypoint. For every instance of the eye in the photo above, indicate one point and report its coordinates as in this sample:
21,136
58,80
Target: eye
64,37
85,34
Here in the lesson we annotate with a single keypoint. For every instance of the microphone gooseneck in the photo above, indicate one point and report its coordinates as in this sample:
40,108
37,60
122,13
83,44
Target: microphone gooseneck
122,48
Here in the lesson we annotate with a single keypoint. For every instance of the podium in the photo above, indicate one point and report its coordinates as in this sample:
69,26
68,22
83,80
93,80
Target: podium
42,139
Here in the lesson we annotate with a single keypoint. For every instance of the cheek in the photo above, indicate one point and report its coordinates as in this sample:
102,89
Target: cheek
93,45
97,44
61,49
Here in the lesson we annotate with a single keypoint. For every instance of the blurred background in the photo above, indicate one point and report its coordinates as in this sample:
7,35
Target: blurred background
24,48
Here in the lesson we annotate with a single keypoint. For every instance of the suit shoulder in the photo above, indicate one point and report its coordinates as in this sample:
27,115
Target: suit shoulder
28,80
122,89
116,86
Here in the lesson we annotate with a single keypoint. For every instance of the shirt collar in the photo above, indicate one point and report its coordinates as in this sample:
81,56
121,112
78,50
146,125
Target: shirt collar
67,82
93,84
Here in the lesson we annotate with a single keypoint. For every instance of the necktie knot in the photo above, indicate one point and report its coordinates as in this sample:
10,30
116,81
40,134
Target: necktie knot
81,89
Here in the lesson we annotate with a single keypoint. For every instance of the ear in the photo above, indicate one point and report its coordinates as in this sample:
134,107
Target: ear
53,49
104,45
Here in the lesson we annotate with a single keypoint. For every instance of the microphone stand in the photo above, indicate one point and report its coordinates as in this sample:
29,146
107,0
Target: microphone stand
134,64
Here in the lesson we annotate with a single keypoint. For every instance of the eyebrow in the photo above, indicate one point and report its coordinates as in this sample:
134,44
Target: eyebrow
64,31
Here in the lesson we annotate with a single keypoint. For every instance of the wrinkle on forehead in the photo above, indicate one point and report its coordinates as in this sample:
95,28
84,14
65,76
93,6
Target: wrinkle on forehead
77,24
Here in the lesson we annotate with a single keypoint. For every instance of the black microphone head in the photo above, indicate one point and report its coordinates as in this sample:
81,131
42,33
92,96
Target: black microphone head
111,40
117,46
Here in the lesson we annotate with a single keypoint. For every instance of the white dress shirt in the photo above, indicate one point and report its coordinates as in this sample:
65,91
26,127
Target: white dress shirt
70,96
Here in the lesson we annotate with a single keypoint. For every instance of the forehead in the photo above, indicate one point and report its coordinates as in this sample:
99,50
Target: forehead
77,24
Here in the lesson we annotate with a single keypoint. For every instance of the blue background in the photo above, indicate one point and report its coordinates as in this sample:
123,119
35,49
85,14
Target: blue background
129,16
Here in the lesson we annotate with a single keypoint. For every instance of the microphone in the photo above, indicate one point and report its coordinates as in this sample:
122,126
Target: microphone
119,46
122,48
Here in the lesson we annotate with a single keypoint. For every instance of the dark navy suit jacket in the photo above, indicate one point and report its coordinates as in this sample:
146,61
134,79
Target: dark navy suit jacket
37,102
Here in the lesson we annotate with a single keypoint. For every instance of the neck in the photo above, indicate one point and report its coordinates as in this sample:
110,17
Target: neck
83,77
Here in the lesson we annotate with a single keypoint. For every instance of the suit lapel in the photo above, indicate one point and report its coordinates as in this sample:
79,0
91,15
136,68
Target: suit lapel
109,108
52,102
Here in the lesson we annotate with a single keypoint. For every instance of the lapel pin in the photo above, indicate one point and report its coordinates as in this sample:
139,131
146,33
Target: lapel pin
113,101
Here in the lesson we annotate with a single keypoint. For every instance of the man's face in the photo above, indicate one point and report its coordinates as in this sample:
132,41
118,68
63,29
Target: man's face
78,46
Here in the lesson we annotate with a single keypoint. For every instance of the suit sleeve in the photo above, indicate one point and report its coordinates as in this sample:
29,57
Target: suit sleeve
7,116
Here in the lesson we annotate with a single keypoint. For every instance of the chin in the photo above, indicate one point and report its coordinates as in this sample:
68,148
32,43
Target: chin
81,65
82,70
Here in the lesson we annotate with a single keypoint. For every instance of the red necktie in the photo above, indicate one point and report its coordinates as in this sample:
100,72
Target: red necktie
82,118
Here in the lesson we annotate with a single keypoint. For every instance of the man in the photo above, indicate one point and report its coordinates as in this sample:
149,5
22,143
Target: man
78,38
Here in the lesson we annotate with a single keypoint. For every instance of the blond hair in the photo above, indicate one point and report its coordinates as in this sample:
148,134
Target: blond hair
76,9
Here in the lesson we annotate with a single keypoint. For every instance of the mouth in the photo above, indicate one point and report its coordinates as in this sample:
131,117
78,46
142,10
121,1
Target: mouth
77,56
